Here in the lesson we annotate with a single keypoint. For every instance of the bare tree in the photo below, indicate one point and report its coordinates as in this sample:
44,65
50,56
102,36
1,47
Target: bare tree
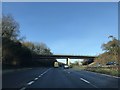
10,28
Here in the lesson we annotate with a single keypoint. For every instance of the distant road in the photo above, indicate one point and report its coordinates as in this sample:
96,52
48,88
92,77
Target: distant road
57,78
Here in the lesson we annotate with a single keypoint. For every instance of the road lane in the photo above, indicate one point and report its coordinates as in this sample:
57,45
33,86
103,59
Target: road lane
18,79
58,78
98,80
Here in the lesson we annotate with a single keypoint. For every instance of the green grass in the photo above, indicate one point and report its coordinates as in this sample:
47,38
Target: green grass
105,70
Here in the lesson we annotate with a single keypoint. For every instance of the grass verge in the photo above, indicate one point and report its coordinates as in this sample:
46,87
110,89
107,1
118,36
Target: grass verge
114,71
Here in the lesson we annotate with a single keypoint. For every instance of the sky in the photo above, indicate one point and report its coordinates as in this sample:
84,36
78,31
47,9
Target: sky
66,28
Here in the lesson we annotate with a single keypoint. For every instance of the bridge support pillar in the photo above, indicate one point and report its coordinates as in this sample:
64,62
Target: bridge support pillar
67,62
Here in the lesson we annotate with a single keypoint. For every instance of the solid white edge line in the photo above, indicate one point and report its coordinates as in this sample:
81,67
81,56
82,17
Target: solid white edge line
104,74
110,76
84,80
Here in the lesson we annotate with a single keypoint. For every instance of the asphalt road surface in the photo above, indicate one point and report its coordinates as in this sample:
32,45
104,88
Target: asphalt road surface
57,78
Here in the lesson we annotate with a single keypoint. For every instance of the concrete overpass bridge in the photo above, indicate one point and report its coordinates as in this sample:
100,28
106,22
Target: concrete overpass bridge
67,57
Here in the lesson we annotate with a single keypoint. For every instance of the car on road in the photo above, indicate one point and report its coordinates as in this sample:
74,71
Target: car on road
66,66
111,63
56,65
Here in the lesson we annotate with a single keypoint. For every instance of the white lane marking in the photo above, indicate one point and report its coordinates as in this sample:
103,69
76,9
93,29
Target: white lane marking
36,79
23,88
39,76
88,82
31,82
84,80
110,76
93,85
102,74
45,71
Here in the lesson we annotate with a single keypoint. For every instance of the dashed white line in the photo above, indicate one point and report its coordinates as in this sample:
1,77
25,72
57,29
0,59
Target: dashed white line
88,82
84,80
45,71
39,76
36,79
31,82
93,85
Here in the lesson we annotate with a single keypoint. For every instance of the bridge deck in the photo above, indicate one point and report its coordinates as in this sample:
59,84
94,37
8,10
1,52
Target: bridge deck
65,56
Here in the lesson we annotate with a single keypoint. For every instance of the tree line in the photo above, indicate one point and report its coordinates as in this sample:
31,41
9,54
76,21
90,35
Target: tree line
16,51
111,52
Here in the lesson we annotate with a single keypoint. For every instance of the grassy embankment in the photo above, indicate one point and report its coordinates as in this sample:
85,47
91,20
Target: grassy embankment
110,70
